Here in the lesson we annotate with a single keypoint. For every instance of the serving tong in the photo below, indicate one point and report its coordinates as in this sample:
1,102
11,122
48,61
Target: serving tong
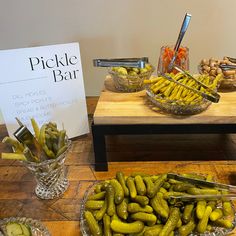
213,97
119,62
24,136
183,29
204,183
228,67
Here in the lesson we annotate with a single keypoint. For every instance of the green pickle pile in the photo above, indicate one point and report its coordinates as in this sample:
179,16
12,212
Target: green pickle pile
173,93
51,143
140,204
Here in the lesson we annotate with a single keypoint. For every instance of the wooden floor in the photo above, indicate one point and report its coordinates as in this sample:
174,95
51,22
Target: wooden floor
207,154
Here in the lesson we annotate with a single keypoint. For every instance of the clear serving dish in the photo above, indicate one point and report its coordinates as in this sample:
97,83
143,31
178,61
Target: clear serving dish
175,108
211,68
128,82
217,231
37,228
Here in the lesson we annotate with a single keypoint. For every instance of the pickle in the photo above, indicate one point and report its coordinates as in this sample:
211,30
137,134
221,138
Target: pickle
158,184
167,195
142,200
145,217
156,205
227,208
97,196
171,222
202,224
194,176
187,214
165,185
224,223
153,231
200,209
140,186
97,188
149,186
111,209
92,224
163,190
106,225
127,228
100,213
182,187
135,207
35,128
199,191
104,185
185,230
121,178
119,192
121,210
154,177
163,202
212,204
216,214
131,186
94,204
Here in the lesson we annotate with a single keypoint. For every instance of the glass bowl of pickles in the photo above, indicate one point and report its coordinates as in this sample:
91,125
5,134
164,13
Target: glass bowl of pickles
155,204
172,98
130,79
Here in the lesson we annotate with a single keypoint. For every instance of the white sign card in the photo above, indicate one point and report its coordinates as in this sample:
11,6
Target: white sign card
44,83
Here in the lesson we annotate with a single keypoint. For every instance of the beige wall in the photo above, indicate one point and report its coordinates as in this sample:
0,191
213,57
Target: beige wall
119,28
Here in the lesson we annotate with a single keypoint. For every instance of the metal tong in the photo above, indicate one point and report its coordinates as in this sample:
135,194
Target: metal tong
179,40
24,136
204,183
126,62
214,97
225,67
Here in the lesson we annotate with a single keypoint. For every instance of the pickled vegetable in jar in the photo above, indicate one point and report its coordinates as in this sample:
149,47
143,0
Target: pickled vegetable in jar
167,53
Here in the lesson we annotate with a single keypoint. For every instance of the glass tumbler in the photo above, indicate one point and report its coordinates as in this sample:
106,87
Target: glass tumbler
167,53
50,176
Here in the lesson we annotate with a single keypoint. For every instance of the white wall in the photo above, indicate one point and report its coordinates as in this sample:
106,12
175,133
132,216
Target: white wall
119,28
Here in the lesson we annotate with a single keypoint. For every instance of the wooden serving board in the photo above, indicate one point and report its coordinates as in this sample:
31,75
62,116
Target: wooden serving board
133,108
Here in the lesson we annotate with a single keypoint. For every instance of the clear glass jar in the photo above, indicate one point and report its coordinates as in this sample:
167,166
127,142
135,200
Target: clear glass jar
167,53
50,176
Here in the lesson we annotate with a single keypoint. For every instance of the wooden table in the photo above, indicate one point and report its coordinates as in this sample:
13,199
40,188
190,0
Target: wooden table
61,216
130,113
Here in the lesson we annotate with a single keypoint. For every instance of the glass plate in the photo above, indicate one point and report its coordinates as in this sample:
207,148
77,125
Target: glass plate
177,109
218,231
37,228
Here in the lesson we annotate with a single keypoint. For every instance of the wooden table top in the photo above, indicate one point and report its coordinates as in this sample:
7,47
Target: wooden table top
61,216
133,108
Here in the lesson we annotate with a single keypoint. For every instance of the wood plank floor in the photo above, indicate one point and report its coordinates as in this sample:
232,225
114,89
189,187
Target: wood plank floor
206,154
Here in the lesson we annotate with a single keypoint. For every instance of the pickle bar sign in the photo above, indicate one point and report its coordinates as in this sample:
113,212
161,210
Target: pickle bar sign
44,83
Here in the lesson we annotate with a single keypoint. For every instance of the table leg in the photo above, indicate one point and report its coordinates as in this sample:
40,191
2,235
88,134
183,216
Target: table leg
99,147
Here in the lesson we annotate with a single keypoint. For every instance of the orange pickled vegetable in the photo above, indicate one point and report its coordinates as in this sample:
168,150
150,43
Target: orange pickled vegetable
181,58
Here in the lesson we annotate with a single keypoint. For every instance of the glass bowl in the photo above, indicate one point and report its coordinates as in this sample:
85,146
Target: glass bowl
37,228
211,67
175,108
129,82
217,231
